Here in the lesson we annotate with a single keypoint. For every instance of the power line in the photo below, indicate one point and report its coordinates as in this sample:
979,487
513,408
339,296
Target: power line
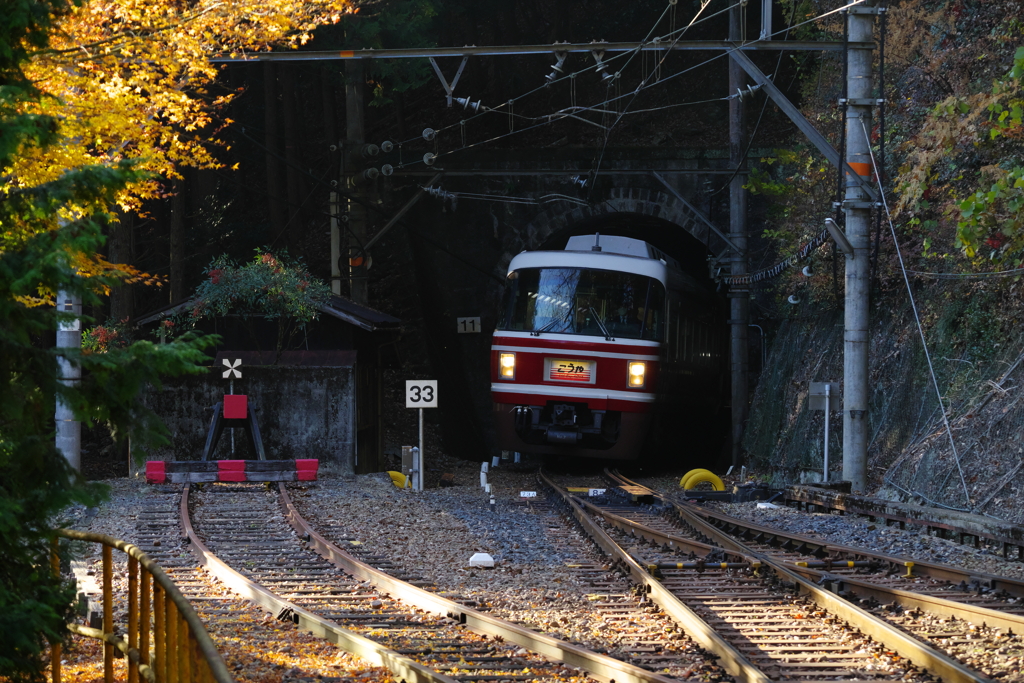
551,118
917,318
1016,272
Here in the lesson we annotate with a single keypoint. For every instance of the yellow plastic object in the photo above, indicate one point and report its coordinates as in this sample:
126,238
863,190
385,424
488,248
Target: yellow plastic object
712,479
691,473
398,479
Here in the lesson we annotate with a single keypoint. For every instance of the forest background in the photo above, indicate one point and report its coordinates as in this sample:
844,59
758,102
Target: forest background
948,143
245,156
131,158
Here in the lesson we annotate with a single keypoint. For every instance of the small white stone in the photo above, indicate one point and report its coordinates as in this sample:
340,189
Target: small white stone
481,560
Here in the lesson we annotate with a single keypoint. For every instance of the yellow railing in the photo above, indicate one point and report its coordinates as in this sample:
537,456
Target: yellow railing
166,641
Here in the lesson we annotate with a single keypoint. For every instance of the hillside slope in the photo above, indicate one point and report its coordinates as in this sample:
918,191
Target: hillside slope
952,174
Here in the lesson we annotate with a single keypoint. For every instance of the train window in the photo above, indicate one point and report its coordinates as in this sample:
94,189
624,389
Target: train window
585,301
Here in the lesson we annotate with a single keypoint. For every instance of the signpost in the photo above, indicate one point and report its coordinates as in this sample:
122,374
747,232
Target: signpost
467,325
420,393
233,370
821,396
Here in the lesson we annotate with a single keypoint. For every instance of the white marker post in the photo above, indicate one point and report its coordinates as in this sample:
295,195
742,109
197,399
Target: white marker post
823,396
420,393
233,370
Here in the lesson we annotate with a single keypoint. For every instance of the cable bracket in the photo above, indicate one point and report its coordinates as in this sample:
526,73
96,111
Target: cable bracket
861,101
449,88
860,9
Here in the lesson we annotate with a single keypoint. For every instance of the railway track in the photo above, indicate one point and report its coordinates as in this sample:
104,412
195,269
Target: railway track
279,654
873,576
774,628
666,538
629,627
255,542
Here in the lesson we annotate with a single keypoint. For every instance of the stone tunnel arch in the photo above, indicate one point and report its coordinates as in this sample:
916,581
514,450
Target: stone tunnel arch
671,225
656,217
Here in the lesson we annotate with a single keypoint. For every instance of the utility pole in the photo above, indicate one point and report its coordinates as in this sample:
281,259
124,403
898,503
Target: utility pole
69,336
739,295
857,206
335,245
355,133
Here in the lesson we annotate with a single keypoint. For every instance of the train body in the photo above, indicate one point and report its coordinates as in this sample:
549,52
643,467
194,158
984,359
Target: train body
597,343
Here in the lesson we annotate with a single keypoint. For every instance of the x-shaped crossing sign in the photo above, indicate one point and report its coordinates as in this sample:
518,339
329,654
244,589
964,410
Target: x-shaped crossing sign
233,371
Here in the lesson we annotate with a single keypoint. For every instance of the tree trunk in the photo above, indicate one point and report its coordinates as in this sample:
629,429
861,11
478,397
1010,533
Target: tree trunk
330,111
293,169
275,185
177,241
355,133
400,114
121,249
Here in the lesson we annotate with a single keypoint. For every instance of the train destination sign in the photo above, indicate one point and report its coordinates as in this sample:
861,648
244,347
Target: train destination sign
565,370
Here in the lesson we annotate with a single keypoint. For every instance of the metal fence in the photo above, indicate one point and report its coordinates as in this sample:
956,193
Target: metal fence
166,642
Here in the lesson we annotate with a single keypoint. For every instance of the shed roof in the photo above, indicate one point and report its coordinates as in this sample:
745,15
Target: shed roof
364,317
311,359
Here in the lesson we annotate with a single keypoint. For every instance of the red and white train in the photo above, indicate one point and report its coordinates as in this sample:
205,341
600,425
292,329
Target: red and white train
596,343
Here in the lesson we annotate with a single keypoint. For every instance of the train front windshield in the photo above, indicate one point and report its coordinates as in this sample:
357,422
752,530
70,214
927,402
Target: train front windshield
584,301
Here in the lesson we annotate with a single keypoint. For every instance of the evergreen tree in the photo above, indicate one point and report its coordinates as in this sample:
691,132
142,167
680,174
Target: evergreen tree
49,236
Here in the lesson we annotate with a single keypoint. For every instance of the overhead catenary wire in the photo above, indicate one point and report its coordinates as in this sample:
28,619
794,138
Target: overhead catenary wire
556,116
643,84
507,199
1016,272
597,46
548,118
553,117
764,107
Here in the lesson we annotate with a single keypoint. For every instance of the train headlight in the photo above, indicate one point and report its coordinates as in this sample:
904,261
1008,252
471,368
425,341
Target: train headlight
507,365
637,373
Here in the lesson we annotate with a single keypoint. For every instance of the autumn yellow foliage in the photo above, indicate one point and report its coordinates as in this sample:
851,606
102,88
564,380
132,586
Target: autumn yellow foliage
133,79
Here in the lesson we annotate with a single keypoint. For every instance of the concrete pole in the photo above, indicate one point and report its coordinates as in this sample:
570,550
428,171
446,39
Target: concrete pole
860,23
335,245
69,336
739,296
355,133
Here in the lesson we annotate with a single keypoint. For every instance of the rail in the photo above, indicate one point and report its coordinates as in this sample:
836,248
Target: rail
167,642
918,652
602,667
819,573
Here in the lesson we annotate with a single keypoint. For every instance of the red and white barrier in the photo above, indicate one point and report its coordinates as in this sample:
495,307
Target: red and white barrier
196,471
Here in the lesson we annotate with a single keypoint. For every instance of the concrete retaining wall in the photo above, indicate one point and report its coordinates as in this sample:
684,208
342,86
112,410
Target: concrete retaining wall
303,412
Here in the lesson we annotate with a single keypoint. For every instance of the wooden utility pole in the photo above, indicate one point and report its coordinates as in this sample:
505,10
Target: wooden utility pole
739,295
176,239
857,206
355,134
121,249
276,191
294,180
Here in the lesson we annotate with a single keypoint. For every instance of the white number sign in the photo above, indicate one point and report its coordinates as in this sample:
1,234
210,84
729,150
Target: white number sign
421,393
467,325
596,492
527,494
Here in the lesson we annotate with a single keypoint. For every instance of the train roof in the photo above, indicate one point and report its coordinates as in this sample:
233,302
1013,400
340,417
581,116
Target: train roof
614,244
616,253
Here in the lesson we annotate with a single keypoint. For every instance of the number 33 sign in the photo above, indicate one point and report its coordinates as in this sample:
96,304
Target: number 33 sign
421,393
